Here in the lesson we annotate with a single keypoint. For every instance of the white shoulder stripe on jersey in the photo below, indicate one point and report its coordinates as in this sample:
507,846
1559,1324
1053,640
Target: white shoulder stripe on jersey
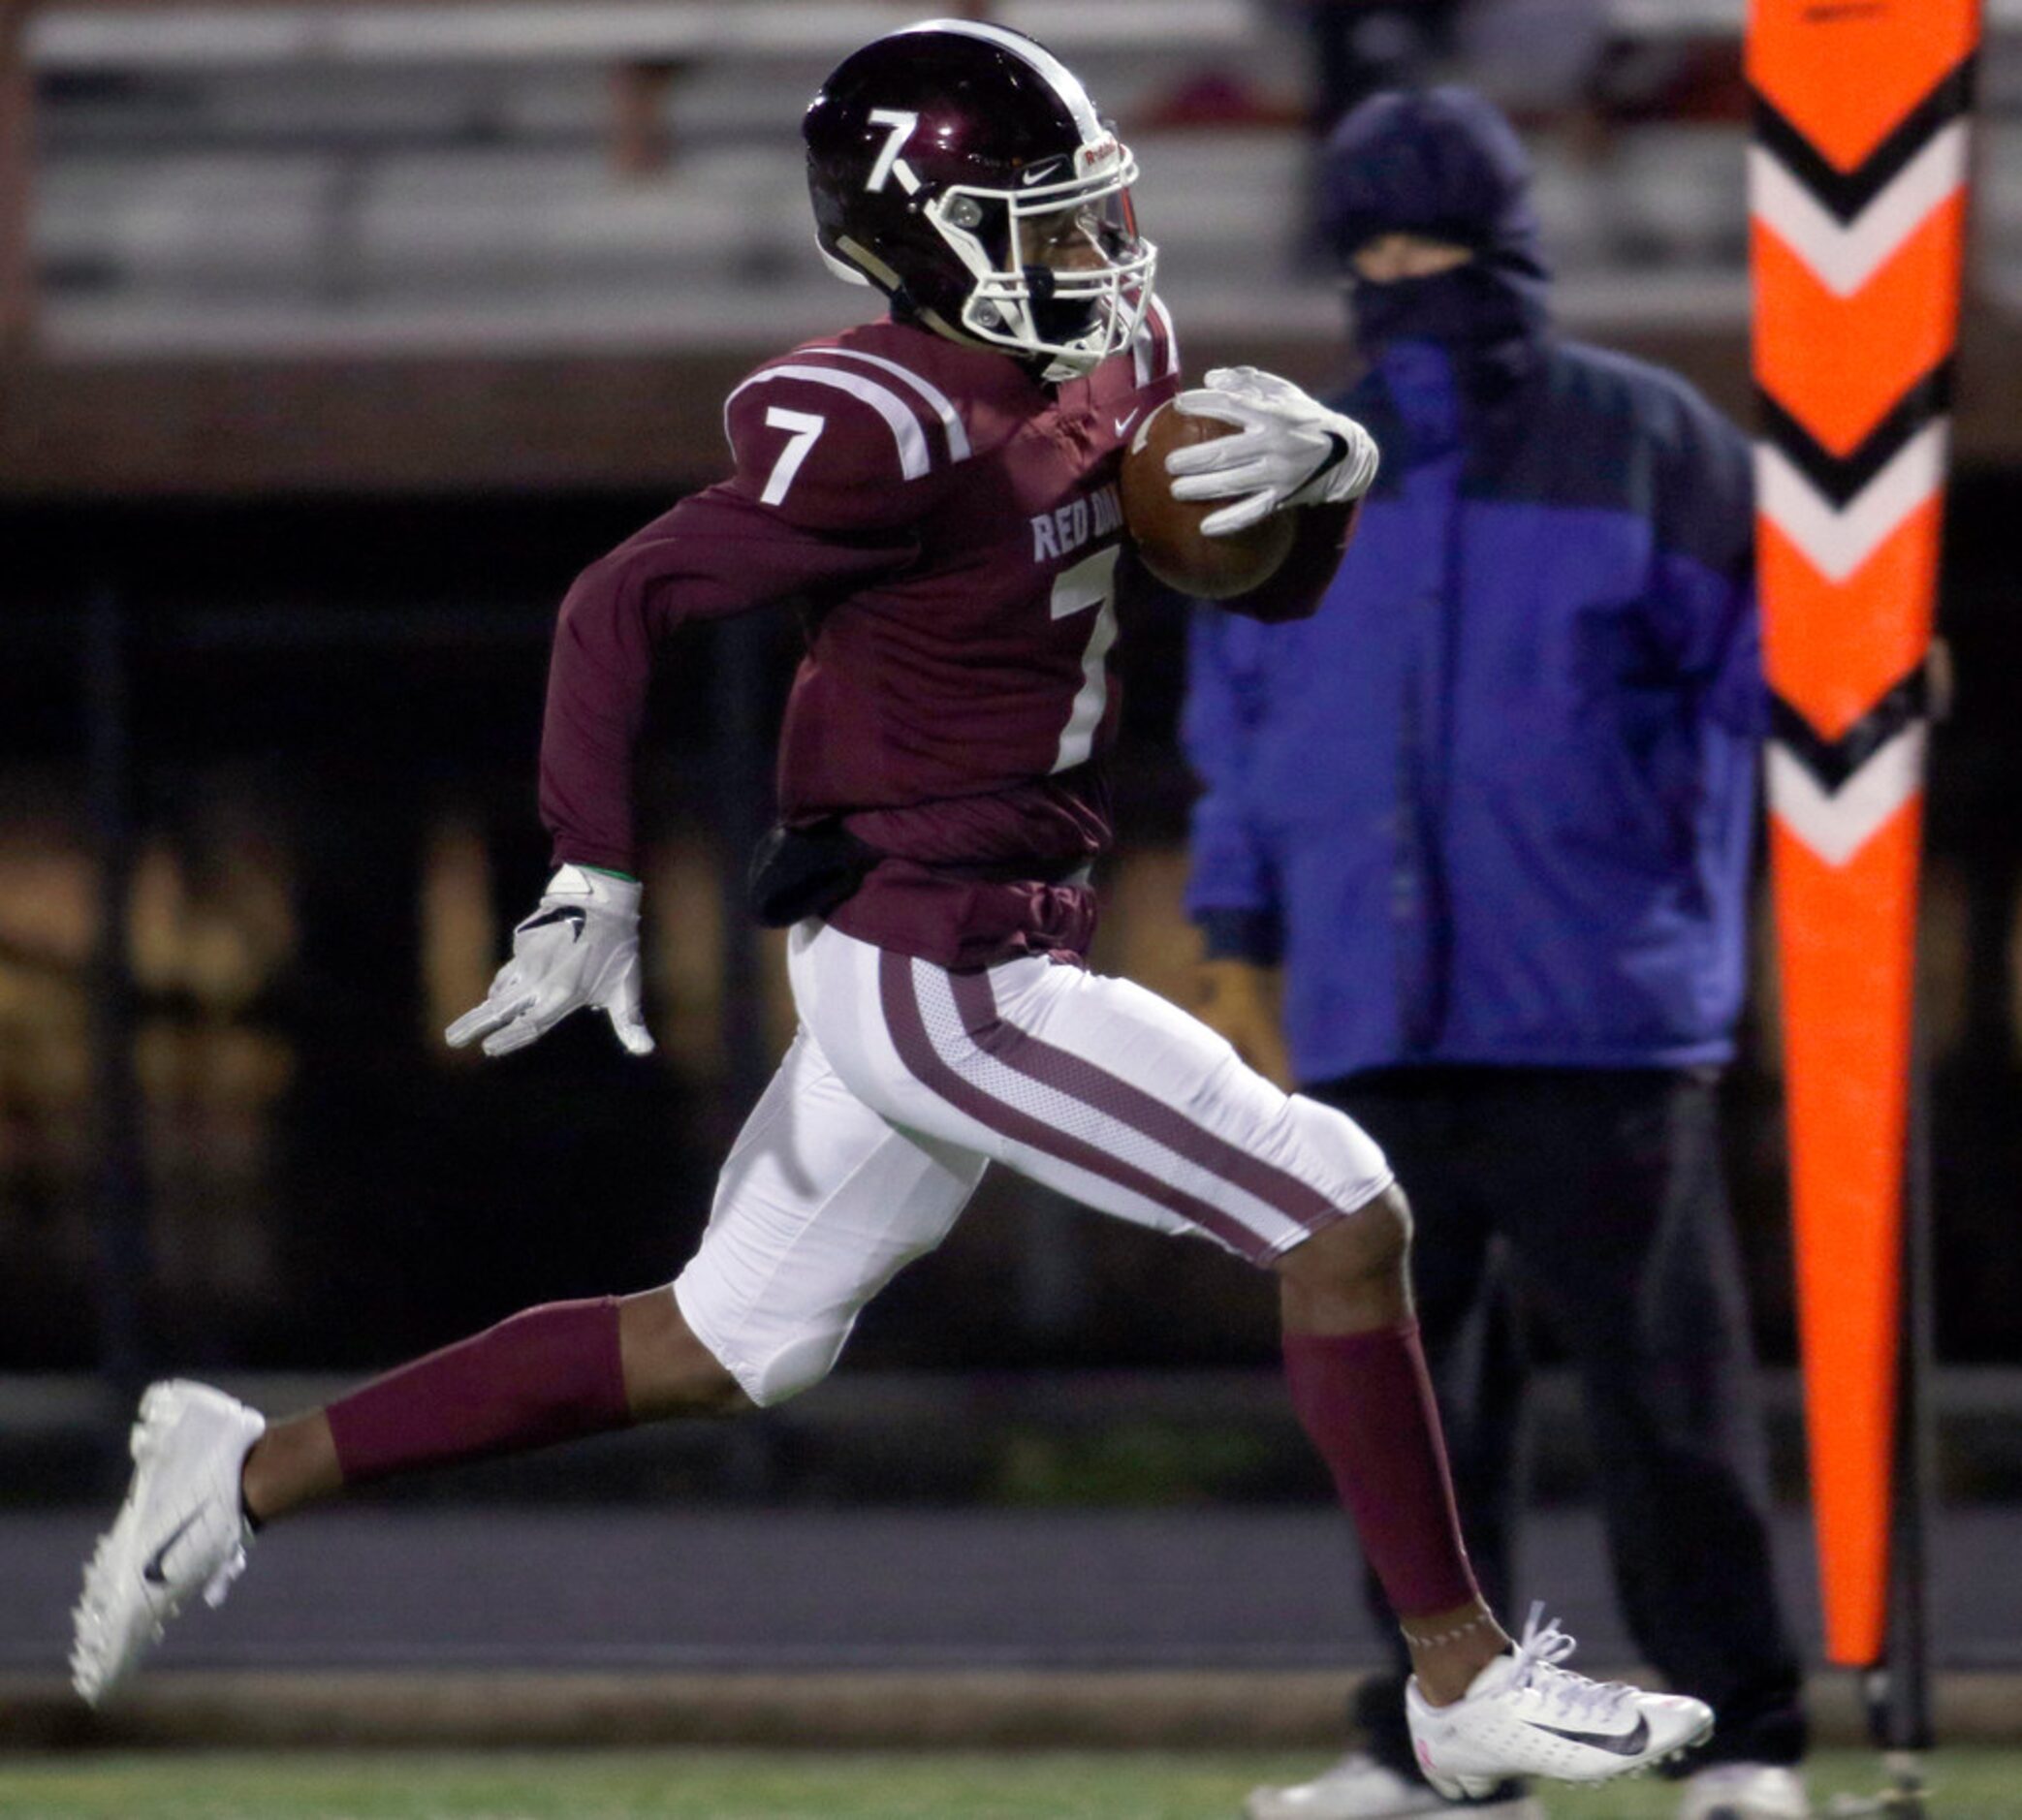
914,459
1052,72
1172,334
936,399
1144,344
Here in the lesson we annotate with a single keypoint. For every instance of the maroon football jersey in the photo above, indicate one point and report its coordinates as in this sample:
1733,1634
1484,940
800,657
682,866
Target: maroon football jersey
951,528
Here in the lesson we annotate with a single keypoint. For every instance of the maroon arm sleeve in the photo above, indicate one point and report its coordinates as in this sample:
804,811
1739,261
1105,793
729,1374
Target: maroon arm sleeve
716,553
820,503
1295,591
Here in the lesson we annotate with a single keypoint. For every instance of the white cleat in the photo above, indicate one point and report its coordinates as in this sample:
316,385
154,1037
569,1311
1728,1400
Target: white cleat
183,1530
1525,1715
1360,1788
1745,1791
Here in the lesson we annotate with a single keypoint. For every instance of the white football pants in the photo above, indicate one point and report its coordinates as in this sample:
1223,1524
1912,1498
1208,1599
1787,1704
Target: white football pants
904,1081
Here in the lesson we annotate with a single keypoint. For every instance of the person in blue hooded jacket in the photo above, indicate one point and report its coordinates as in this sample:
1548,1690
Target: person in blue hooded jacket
1491,812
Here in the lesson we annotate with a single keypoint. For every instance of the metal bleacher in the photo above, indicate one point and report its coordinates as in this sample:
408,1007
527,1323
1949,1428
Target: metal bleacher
389,176
452,235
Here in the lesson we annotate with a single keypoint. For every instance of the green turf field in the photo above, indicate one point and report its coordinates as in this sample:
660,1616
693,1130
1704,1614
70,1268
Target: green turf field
756,1785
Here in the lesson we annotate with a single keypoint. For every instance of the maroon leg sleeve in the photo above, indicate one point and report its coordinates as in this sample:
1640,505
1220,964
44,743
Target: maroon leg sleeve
547,1375
1367,1402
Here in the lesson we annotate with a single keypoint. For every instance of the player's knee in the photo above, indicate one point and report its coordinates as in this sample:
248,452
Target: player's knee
799,1365
771,1347
1374,1239
1370,1245
668,1370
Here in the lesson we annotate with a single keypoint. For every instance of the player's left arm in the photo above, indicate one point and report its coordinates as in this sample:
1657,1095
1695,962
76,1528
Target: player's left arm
1288,449
1289,453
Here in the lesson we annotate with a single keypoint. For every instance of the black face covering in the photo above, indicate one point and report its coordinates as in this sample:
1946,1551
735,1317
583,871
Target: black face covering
1475,306
1442,164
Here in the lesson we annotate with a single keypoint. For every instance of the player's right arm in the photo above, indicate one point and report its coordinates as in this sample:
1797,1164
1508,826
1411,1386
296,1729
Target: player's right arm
818,505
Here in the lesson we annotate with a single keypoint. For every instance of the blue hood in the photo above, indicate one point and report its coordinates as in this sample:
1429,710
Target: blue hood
1443,163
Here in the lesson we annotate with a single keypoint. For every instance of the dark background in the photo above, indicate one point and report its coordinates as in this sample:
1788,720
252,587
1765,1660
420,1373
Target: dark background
316,687
323,370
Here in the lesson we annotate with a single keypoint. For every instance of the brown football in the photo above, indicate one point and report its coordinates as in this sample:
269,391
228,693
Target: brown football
1168,531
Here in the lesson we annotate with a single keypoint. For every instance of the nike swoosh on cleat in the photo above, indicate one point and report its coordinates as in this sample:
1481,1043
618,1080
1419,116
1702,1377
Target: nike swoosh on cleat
151,1567
1628,1743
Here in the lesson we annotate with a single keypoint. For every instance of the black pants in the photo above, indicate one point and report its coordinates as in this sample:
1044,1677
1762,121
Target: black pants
1597,1198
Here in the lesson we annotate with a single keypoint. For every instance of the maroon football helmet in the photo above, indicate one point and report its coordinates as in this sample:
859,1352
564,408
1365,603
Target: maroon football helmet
961,169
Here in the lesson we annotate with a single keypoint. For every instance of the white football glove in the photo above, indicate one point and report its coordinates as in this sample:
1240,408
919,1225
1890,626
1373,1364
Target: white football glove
1289,449
579,947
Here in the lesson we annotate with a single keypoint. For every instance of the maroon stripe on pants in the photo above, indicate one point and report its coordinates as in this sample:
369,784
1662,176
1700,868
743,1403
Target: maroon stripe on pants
1300,1202
908,1030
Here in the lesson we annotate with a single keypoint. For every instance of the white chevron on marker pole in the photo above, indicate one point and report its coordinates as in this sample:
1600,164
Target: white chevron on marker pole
1845,256
1835,539
1837,824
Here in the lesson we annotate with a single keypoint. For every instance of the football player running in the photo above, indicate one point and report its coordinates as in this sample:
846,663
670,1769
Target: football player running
938,487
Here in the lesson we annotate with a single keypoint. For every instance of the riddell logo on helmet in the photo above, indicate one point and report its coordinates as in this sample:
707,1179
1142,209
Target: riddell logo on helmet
1099,156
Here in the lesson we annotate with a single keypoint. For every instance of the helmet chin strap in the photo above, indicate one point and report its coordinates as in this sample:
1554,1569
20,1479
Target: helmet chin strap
1053,365
942,327
1042,364
1069,360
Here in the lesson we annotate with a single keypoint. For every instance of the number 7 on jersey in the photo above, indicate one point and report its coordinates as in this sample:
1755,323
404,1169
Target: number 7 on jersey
804,428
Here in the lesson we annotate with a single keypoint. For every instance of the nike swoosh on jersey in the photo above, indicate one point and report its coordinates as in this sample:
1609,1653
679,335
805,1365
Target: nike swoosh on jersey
151,1569
1122,423
1629,1743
